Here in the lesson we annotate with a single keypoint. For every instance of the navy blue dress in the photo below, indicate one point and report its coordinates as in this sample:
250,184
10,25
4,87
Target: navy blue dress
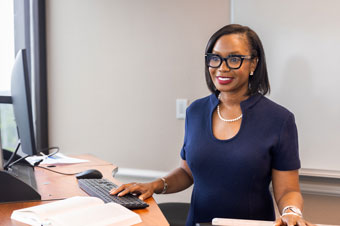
232,177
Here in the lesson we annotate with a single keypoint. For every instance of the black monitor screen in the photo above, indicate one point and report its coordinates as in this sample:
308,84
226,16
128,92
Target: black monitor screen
22,107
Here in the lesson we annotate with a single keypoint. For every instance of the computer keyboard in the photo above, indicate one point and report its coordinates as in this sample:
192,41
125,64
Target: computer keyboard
100,188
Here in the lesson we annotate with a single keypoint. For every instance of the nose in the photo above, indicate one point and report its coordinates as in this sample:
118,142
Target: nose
224,66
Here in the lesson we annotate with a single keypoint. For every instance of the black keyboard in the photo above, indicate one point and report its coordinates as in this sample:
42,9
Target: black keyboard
100,188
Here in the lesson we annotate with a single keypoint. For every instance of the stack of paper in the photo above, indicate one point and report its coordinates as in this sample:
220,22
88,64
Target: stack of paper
77,211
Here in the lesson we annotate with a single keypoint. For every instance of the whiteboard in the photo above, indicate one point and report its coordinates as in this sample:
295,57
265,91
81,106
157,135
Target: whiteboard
302,46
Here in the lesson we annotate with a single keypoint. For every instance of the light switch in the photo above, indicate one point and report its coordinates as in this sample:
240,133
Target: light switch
181,106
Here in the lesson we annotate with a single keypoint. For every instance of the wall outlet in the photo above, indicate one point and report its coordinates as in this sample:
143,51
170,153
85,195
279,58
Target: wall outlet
181,106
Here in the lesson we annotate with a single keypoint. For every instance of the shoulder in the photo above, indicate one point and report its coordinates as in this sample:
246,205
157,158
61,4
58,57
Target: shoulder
273,109
200,104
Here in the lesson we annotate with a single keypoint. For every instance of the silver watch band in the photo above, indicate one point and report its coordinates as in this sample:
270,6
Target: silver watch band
293,209
165,185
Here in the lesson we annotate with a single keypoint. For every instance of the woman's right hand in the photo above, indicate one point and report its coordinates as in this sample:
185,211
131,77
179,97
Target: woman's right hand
143,190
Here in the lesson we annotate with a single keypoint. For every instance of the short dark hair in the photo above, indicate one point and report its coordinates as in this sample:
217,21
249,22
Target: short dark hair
259,82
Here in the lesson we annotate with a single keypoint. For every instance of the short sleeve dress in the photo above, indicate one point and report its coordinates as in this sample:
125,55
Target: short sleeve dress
232,177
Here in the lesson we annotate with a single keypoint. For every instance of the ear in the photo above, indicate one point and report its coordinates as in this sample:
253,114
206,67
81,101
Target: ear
253,64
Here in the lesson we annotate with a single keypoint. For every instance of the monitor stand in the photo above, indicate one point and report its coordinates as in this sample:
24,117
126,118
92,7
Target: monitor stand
18,184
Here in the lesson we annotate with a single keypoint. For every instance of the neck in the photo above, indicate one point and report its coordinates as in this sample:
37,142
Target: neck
230,99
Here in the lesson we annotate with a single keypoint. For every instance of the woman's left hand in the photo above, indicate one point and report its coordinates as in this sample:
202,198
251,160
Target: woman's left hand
292,220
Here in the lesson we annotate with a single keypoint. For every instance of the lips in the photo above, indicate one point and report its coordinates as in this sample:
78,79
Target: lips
224,80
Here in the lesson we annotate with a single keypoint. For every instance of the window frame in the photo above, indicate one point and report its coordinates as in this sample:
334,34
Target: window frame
30,34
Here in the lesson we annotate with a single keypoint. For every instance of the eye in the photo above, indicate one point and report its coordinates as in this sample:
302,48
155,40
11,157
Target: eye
234,60
214,58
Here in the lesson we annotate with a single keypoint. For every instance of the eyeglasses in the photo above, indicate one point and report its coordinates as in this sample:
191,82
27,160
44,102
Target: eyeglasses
232,61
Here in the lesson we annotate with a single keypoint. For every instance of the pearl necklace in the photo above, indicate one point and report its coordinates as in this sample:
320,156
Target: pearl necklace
223,119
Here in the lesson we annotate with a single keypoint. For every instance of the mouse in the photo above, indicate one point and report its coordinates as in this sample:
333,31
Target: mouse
89,174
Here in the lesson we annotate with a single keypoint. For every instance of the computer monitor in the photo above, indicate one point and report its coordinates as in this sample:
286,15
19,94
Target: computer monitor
18,180
22,104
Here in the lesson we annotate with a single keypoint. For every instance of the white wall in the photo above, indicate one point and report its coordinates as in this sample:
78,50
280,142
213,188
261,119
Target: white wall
115,69
100,102
302,44
296,36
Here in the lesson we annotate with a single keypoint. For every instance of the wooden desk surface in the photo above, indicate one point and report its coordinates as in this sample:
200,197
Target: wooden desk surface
52,186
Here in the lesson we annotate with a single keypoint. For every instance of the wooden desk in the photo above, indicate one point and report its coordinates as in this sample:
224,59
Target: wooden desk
52,186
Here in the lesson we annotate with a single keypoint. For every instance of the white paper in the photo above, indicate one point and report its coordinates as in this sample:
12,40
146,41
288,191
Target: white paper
235,222
77,211
100,215
239,222
35,215
58,158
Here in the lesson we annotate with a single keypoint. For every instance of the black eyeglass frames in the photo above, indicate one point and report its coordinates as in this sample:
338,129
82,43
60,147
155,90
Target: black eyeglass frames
232,61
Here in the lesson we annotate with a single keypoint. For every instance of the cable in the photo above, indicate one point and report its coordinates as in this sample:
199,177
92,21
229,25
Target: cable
54,171
9,164
18,160
50,148
12,156
46,156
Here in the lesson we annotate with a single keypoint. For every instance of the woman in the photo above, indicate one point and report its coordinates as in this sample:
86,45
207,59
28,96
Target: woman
236,141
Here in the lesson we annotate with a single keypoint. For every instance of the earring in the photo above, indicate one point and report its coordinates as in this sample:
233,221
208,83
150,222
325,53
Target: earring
251,73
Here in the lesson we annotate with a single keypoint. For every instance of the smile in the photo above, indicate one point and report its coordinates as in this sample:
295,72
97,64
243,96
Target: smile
224,80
